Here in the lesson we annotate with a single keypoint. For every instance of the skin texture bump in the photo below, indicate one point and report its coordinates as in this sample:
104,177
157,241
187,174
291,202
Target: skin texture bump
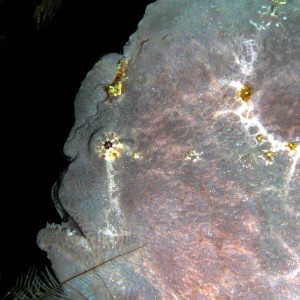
185,185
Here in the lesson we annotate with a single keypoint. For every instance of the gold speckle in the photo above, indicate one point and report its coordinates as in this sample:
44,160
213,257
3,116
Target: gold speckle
193,155
275,7
292,145
269,155
279,2
245,93
260,138
136,155
246,114
121,69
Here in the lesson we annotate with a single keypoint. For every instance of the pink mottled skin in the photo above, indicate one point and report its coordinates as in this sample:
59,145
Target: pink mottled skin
200,213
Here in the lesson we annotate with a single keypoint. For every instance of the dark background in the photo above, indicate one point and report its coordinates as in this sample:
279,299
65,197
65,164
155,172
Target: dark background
40,73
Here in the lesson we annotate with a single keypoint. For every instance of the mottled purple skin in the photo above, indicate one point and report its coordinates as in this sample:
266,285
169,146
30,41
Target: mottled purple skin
200,214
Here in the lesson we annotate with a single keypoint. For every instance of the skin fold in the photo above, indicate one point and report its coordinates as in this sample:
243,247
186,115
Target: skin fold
184,175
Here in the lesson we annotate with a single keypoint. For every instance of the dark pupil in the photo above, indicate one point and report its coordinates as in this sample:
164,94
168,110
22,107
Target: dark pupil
107,145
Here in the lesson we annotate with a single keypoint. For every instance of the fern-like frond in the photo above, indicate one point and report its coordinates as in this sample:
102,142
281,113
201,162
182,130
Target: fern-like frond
37,286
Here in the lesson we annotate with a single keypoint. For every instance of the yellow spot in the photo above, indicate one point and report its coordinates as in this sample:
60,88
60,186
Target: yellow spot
245,93
269,155
115,88
192,155
292,145
279,2
246,114
136,155
259,137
